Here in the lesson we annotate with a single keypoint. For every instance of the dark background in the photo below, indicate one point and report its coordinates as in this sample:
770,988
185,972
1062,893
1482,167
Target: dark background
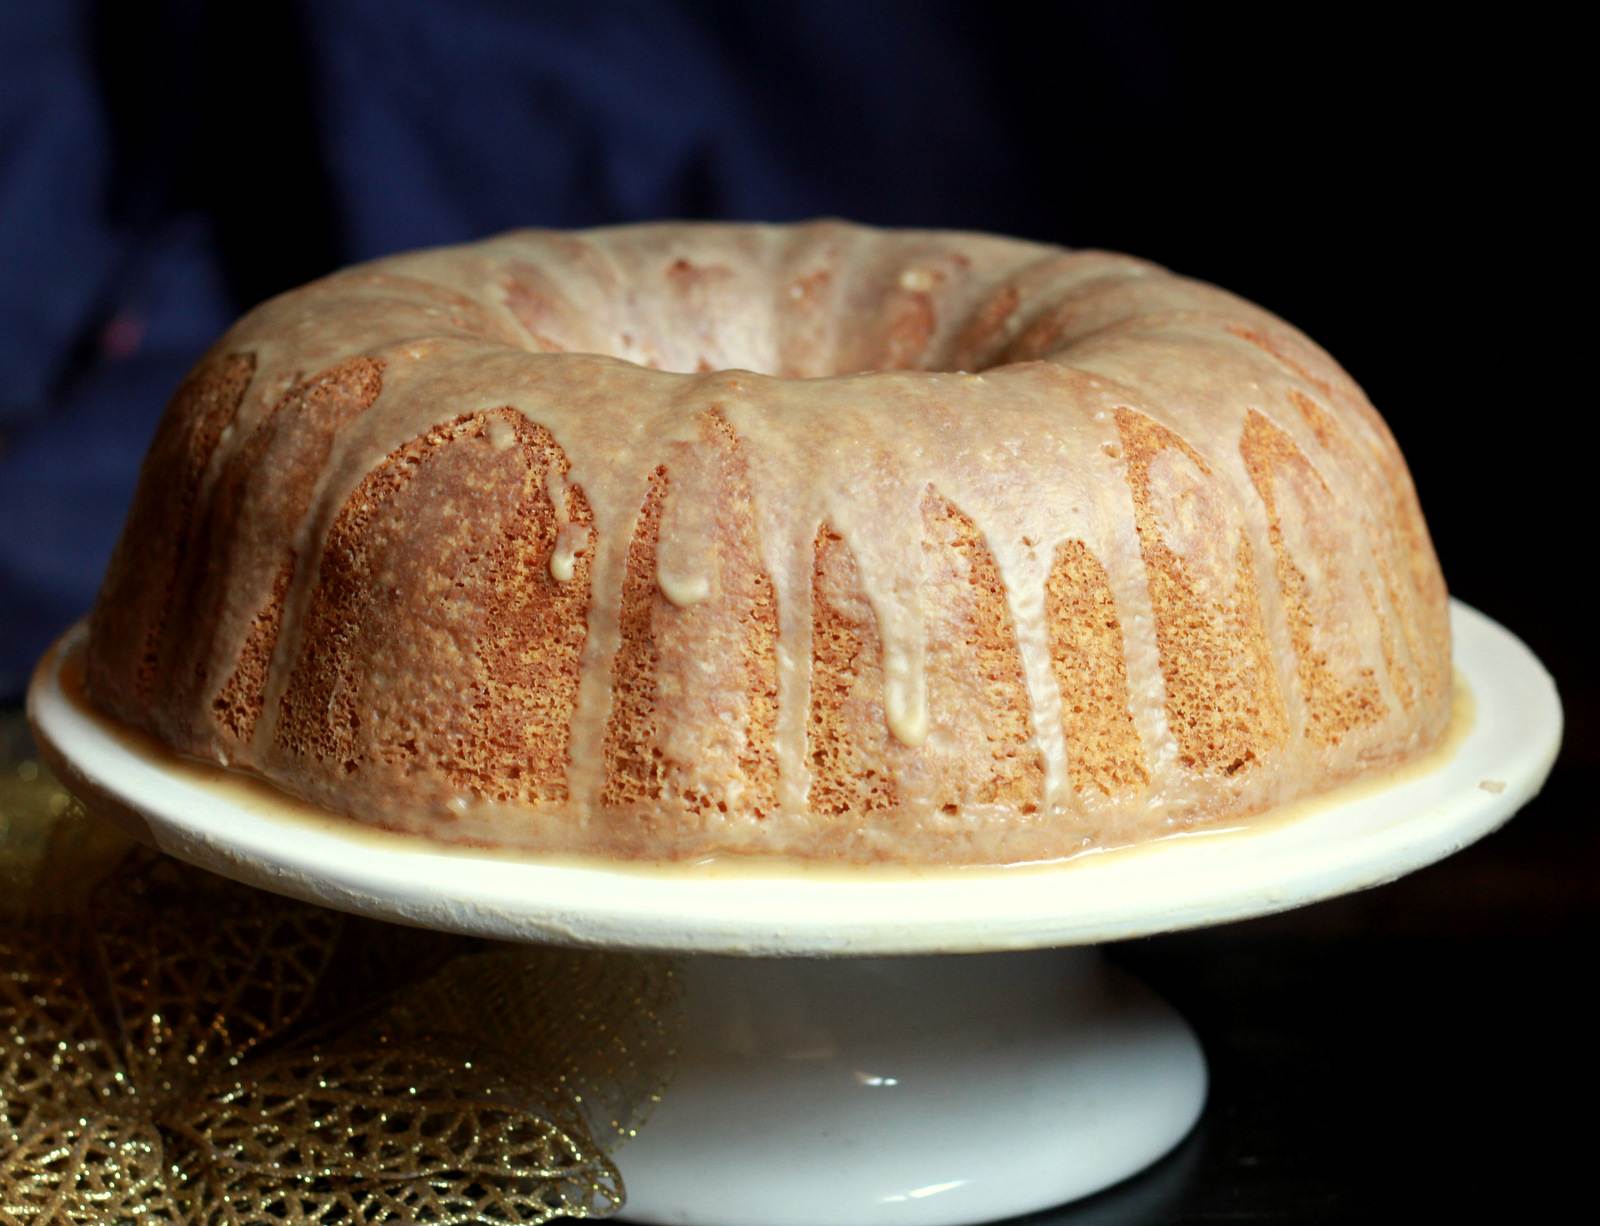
1401,188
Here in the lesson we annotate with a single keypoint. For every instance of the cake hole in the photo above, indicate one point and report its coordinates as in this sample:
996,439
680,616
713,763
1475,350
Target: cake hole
798,328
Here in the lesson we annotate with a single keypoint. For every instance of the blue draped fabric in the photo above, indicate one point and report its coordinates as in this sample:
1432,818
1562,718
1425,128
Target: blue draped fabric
163,166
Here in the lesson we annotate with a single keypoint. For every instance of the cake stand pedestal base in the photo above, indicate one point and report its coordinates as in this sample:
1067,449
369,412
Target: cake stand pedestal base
910,1090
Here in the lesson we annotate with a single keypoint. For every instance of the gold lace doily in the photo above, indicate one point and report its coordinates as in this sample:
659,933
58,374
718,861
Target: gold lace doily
175,1048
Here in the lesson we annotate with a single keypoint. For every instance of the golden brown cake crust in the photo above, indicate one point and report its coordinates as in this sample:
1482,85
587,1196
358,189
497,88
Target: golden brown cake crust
817,540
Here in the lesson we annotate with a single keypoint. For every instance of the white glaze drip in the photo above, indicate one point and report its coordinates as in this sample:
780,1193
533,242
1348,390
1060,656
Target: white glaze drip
555,484
570,541
683,590
501,435
905,694
686,548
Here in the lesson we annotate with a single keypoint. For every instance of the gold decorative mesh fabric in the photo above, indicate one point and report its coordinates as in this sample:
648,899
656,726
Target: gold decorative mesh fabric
175,1048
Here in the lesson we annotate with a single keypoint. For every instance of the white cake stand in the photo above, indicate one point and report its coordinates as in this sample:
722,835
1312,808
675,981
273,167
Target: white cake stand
877,1089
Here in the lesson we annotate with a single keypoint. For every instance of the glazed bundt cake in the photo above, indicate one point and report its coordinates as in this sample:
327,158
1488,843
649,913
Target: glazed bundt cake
822,541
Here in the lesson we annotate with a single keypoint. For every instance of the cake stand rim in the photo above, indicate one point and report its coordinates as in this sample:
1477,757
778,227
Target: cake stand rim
1374,838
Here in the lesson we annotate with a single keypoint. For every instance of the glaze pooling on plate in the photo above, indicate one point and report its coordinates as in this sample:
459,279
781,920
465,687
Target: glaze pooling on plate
1362,838
821,541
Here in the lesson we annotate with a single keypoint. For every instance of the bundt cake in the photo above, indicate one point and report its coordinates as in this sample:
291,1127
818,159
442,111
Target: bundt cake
821,541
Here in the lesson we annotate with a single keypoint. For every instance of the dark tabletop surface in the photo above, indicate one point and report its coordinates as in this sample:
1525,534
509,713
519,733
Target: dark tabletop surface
1420,1052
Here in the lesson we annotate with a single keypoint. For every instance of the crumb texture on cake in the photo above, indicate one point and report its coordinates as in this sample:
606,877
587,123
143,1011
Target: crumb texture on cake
816,540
